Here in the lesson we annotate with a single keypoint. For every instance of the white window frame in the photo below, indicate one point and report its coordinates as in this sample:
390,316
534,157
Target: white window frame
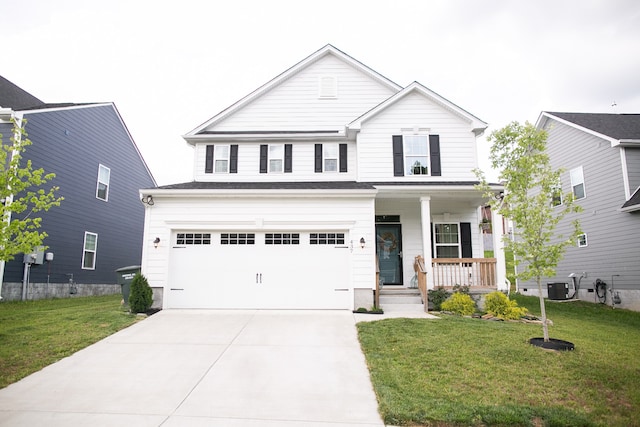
219,157
436,245
326,156
407,163
93,251
271,158
101,181
582,240
577,179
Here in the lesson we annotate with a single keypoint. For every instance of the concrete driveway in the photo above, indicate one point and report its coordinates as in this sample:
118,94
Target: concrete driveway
207,368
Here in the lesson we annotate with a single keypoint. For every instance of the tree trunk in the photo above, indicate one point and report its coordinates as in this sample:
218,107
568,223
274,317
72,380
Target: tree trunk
543,312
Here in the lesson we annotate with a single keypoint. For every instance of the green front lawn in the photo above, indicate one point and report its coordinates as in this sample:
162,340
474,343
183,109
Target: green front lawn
34,334
463,371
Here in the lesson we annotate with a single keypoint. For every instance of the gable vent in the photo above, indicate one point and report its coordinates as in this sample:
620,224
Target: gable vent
328,87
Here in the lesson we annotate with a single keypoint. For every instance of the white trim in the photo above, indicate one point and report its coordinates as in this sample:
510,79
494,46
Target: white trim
107,183
625,173
545,115
85,250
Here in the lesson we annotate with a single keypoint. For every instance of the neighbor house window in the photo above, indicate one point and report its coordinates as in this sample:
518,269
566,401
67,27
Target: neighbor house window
89,253
577,183
582,240
416,154
556,197
221,159
447,240
102,188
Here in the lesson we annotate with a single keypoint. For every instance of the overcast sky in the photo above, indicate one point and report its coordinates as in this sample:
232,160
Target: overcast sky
170,66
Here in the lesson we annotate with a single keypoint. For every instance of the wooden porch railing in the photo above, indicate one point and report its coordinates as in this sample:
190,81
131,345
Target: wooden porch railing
421,274
376,294
479,272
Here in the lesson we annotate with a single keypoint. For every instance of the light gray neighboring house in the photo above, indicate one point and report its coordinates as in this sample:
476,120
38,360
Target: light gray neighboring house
600,156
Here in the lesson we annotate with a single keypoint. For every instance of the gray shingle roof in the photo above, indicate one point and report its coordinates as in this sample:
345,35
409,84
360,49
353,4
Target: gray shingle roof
618,126
296,185
633,201
11,96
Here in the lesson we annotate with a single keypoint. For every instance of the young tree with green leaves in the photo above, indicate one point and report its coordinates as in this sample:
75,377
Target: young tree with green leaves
21,196
531,189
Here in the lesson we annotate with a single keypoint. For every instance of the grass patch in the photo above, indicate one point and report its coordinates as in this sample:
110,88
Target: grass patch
35,334
461,371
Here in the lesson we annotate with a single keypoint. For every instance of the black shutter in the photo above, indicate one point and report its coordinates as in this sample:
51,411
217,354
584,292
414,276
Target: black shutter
208,164
465,239
288,157
433,244
233,159
434,148
264,149
398,156
318,157
343,157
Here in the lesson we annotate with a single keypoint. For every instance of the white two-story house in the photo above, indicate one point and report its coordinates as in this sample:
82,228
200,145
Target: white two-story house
317,187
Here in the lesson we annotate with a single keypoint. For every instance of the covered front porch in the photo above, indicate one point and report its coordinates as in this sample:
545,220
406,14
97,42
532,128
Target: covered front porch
443,224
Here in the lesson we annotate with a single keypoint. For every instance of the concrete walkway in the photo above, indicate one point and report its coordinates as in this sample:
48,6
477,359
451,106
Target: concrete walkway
207,368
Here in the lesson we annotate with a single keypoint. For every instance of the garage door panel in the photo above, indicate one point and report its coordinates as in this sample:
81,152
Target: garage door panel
259,275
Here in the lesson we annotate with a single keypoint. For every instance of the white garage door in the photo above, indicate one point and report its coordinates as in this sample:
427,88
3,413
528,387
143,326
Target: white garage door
272,270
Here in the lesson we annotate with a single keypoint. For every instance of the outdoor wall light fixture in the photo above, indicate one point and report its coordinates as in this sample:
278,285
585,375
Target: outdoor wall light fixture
147,200
362,242
156,242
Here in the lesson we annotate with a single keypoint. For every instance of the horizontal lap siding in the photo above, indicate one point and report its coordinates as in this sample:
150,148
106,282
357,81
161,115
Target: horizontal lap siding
247,214
294,104
457,142
613,236
302,167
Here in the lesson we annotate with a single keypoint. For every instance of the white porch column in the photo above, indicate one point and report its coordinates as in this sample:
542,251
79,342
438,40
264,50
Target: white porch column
425,220
498,250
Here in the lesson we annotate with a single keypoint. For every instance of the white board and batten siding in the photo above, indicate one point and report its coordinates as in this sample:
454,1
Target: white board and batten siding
295,104
283,276
457,141
613,237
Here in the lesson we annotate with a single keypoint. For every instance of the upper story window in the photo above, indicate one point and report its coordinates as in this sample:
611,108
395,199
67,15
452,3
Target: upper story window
577,183
328,87
416,155
221,158
582,241
276,158
90,250
330,158
102,188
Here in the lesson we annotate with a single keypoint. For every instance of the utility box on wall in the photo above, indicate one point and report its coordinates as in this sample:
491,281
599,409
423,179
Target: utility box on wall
558,291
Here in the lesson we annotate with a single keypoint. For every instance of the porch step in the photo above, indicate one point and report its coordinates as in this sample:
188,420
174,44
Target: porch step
399,296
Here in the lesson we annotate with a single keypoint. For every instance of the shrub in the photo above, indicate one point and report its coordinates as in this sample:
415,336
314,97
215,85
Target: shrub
499,305
141,295
460,303
437,297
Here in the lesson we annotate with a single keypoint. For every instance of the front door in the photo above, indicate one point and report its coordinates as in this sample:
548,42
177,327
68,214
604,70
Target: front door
389,251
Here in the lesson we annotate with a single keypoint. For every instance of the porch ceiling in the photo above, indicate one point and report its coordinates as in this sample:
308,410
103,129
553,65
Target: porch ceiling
462,193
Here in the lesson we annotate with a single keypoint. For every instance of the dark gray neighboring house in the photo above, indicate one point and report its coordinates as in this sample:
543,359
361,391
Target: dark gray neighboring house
600,155
98,227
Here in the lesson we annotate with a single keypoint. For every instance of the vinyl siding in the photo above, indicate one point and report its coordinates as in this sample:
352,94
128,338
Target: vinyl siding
302,166
72,143
295,105
457,141
278,213
613,236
